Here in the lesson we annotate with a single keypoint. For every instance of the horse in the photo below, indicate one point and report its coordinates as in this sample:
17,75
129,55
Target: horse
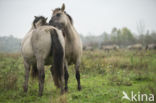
135,47
88,48
73,45
110,47
43,45
151,46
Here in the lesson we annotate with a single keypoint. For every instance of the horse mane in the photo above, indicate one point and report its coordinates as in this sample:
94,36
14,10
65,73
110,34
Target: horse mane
69,17
37,19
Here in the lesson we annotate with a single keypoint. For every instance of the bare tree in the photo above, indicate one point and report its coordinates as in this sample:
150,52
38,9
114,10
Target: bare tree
141,27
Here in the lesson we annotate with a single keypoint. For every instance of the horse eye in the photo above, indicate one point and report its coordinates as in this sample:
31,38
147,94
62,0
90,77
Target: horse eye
58,14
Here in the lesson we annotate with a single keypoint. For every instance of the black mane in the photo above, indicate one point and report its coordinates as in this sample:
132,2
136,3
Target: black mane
70,18
37,18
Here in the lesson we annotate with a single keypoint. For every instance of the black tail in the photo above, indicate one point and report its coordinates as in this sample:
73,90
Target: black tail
58,57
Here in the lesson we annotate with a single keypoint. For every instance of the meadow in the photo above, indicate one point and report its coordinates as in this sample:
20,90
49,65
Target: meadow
104,76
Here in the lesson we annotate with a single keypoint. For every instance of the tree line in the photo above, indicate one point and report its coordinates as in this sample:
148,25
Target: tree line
121,37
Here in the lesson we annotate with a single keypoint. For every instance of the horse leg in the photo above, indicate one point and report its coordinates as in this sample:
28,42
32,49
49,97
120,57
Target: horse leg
27,70
78,75
66,76
40,67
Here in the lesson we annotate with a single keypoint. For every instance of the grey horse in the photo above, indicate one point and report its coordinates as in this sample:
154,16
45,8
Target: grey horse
73,44
43,45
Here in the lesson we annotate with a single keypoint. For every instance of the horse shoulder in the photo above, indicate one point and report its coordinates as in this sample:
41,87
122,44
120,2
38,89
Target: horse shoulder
73,50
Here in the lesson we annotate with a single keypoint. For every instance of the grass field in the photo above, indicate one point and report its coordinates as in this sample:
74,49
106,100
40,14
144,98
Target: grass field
104,76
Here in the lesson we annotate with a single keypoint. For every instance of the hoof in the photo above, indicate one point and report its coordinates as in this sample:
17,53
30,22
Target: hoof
62,92
79,88
40,94
25,89
66,89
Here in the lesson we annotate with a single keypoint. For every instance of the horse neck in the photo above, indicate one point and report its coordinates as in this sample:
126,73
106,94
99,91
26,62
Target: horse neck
70,32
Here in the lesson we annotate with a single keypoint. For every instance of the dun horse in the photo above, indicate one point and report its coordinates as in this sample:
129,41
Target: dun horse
73,44
43,45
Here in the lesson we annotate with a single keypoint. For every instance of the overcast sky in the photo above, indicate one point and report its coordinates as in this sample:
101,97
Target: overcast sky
90,16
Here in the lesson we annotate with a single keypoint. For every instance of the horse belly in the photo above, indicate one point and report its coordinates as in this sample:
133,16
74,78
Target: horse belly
70,56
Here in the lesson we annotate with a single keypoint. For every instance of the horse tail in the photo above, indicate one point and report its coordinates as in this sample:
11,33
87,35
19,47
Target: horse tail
58,57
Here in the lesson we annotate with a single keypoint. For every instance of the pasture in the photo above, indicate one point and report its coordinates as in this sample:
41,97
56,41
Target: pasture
104,75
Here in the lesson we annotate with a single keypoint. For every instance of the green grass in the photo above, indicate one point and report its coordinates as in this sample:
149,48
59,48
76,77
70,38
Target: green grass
104,75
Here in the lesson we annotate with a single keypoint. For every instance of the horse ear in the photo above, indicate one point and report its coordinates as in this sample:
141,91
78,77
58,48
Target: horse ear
63,7
35,17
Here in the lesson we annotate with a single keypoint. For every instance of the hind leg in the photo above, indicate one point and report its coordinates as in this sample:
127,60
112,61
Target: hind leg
27,70
66,76
40,67
77,66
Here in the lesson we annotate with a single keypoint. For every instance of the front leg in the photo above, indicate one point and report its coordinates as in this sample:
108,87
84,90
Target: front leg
77,66
66,76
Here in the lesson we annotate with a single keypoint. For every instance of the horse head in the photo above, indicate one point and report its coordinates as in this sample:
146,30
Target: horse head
60,18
